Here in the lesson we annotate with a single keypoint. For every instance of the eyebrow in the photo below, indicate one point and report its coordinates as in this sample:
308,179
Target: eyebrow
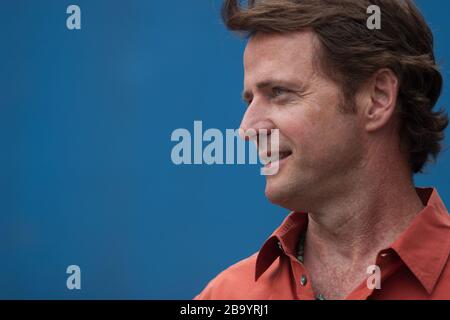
246,94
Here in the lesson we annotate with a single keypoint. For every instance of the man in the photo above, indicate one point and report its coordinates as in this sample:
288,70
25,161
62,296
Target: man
353,107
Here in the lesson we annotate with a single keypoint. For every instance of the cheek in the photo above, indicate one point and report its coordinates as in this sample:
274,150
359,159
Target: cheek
339,147
308,129
322,136
297,132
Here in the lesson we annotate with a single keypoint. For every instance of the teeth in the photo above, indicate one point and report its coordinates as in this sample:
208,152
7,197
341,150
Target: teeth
281,155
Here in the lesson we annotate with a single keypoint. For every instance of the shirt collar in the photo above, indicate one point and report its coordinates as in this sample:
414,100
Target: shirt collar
283,239
424,247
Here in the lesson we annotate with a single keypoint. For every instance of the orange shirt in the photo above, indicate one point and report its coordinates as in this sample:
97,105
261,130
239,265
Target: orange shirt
415,266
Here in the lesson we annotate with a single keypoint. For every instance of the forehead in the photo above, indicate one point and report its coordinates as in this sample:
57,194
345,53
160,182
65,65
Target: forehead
287,55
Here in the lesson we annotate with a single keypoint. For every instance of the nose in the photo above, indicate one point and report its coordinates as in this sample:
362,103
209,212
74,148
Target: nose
256,120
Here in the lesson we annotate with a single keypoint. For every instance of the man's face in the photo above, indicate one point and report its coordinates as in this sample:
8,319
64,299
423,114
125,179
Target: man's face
320,145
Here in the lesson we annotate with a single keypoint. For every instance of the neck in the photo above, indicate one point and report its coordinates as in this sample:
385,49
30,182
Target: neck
364,221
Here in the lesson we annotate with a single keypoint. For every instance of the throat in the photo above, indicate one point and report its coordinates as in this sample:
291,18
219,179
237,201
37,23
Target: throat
331,276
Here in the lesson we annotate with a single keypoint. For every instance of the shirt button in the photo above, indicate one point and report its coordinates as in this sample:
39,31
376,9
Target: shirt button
303,280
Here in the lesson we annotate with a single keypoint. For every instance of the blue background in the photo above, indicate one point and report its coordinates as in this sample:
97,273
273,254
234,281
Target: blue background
85,171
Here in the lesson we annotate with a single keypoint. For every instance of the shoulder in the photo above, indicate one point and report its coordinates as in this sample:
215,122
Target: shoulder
231,283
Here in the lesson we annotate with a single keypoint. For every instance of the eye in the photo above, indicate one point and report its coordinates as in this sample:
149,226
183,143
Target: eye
278,91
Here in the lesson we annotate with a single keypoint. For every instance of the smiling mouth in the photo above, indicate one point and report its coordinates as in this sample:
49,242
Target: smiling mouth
282,155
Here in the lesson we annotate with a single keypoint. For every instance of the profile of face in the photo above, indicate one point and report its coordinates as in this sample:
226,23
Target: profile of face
320,146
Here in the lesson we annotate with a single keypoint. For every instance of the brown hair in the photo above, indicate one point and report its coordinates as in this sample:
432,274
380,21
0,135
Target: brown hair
351,53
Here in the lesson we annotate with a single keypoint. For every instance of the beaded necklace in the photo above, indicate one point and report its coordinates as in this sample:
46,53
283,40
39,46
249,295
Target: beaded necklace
301,257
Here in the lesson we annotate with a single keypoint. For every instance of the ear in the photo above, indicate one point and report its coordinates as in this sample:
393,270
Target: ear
383,92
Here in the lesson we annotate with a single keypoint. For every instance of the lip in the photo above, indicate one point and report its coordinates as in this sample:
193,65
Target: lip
266,154
279,162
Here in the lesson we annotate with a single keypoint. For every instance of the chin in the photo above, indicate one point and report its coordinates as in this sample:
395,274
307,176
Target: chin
277,193
285,191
